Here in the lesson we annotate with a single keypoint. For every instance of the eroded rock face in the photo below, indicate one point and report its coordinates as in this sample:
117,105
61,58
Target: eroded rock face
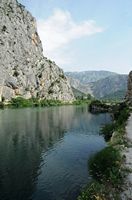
129,91
24,71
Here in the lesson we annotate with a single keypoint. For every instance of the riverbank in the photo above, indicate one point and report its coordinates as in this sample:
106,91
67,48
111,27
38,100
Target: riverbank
108,169
34,102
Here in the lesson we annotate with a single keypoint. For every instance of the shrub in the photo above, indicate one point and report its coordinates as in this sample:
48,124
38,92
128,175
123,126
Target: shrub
98,191
105,166
1,105
21,102
94,191
121,114
50,102
107,131
81,102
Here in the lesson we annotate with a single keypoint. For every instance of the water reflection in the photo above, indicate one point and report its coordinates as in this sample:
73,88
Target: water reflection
43,152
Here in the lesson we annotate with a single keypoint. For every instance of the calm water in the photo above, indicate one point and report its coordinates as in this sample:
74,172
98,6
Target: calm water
44,152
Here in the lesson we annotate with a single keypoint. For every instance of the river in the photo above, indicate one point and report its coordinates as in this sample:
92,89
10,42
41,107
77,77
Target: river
44,152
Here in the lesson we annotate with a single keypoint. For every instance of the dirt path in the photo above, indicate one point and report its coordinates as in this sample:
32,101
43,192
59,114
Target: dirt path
127,194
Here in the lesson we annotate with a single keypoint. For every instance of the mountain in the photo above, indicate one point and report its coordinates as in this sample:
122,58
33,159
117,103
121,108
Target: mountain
75,83
24,71
118,95
104,84
78,93
109,85
87,77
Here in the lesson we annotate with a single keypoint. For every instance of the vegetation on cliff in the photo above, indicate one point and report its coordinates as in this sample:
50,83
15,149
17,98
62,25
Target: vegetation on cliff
20,102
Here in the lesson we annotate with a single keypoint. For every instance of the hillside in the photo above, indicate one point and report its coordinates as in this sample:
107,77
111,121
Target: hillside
24,71
112,84
109,85
87,77
75,83
118,95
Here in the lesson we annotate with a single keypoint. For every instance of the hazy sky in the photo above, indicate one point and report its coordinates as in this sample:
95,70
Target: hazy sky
85,34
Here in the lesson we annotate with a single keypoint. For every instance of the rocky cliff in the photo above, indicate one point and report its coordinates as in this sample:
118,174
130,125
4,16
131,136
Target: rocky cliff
24,71
129,90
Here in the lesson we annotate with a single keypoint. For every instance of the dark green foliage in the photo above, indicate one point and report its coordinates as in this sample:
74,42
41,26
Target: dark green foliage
81,102
120,115
96,103
97,106
50,103
98,191
21,102
105,165
107,131
93,191
33,102
1,105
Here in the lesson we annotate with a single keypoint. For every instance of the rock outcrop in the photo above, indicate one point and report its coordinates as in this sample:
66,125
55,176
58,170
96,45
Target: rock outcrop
24,71
129,90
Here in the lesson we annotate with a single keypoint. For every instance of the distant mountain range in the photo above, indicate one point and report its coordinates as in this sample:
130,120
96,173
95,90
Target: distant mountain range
86,77
100,84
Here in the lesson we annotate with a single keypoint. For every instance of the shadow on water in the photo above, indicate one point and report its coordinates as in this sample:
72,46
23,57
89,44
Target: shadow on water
44,152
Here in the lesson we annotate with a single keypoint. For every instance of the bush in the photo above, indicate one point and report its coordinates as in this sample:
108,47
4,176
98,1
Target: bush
98,191
94,191
81,102
97,106
1,105
105,166
121,114
33,102
21,102
50,103
107,131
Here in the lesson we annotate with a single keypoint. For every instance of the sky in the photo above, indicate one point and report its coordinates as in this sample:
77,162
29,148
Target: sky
82,35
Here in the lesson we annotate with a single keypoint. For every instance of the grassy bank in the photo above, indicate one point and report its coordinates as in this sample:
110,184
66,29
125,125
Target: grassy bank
34,102
106,167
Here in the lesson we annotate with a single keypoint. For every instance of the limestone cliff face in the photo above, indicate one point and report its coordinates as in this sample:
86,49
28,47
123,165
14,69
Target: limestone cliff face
129,91
24,71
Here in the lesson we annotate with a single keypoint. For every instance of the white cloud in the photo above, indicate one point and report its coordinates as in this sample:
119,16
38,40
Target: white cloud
60,29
